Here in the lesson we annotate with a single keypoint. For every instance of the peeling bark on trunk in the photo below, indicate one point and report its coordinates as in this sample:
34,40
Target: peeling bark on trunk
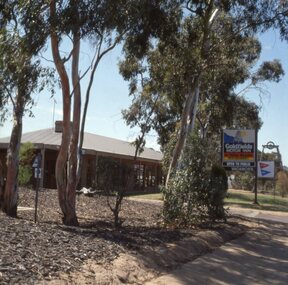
186,126
192,116
10,195
191,104
73,148
64,172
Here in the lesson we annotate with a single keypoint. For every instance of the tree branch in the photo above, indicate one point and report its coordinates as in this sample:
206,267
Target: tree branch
87,97
11,97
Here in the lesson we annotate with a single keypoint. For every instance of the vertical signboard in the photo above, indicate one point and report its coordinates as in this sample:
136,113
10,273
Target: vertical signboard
239,149
266,169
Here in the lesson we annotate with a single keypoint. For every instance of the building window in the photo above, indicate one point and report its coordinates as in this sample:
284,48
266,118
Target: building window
139,175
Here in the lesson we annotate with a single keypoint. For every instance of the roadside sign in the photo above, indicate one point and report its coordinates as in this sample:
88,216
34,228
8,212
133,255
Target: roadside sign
37,173
239,149
37,161
266,169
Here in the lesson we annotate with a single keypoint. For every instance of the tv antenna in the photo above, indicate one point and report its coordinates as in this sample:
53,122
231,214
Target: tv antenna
53,118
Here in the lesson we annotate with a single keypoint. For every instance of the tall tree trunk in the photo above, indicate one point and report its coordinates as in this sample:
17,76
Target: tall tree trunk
73,148
186,126
191,103
10,196
66,194
194,107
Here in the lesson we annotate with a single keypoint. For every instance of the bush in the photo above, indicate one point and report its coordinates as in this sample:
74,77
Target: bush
185,198
26,155
217,190
195,194
243,180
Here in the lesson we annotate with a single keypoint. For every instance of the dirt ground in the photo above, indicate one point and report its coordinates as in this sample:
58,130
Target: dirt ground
95,253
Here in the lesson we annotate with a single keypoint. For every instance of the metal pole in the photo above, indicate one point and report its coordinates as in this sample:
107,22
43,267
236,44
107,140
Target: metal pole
36,197
53,118
38,166
256,168
274,180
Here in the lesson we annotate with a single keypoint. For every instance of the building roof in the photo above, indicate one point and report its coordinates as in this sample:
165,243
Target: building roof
93,143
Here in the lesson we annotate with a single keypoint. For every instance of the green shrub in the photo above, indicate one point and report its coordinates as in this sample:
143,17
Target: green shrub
26,155
218,187
243,180
195,194
185,198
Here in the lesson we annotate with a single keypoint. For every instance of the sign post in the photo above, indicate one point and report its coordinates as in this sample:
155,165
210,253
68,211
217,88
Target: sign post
37,171
239,152
239,149
256,171
266,169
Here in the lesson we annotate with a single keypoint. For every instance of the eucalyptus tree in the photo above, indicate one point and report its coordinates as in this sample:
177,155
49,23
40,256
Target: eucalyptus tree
22,35
103,24
223,106
214,50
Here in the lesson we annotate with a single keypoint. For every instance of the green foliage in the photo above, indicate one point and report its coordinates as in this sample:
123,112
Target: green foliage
160,84
168,152
23,33
26,156
173,62
269,70
25,174
194,194
218,188
243,180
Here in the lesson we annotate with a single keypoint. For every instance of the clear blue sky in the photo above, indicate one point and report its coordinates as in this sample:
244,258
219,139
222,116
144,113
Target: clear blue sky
110,96
274,113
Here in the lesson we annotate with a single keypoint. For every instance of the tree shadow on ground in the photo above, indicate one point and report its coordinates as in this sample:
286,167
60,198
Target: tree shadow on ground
258,257
131,237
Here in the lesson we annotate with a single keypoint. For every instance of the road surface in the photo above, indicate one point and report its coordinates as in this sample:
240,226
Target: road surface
258,257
